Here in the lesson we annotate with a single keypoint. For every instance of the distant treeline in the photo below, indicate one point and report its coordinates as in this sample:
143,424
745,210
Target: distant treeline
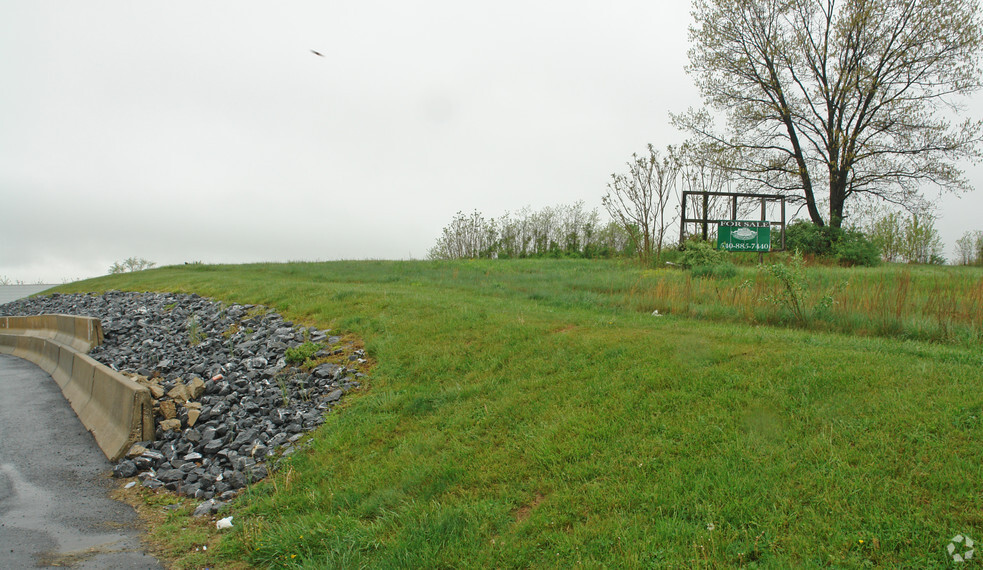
573,231
558,231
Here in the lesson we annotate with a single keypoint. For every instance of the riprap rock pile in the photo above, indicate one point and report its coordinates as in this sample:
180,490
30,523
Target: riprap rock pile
225,397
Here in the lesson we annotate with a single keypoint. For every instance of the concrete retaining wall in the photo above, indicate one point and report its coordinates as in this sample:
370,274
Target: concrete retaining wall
80,333
117,410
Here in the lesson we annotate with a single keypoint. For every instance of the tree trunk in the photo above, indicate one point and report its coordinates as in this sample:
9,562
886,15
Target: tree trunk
800,161
837,198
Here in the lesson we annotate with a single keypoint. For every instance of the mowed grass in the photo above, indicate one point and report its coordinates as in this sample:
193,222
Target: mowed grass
535,414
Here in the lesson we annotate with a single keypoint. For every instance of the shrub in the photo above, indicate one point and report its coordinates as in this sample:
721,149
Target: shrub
849,247
853,248
791,289
300,354
807,238
700,253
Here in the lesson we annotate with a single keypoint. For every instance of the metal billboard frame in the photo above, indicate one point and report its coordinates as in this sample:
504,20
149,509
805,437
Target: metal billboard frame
705,221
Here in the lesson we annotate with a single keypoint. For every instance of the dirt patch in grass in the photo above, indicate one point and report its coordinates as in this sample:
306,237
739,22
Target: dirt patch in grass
172,535
524,512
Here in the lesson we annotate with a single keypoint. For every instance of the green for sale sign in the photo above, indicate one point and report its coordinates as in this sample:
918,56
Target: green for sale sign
744,235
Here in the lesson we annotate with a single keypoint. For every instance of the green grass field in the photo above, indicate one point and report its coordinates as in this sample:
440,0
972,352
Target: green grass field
534,413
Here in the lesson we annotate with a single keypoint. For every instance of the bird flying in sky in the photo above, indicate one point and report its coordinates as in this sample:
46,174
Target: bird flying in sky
319,54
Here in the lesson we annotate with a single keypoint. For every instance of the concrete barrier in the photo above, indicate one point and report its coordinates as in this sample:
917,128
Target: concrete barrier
117,410
119,416
51,358
80,333
78,390
63,372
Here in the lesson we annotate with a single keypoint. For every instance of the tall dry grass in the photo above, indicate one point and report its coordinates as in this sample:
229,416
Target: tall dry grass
942,304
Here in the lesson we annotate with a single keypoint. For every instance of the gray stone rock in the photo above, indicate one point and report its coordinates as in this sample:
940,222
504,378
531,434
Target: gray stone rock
192,435
143,463
213,447
169,475
258,472
327,370
206,508
124,469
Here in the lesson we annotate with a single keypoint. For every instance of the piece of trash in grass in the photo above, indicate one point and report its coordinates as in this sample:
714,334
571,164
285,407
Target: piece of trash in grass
224,523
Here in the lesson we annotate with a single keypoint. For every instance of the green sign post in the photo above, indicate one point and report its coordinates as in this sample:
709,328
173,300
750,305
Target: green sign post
744,235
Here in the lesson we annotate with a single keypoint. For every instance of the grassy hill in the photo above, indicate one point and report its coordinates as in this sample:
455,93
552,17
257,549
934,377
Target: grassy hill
534,413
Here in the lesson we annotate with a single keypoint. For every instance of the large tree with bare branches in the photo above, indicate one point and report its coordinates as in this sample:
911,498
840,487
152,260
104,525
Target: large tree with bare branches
830,100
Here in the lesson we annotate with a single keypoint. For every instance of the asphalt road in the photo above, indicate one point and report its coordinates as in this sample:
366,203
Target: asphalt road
54,483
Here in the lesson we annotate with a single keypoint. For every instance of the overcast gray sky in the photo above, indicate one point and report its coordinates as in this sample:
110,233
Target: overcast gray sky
209,131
